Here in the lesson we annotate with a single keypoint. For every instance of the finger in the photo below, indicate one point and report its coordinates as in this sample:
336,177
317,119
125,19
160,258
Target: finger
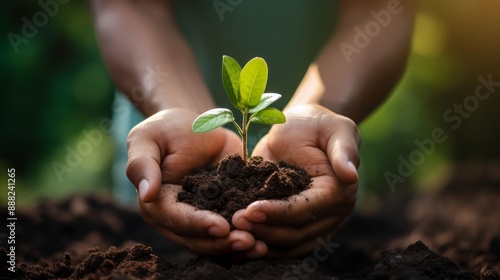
183,219
324,198
143,166
236,241
342,149
284,237
257,252
345,161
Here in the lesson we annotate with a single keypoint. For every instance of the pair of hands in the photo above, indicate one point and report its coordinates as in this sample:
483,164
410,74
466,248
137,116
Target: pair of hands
163,149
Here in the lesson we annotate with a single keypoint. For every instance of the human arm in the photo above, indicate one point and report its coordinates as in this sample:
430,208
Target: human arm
352,79
147,57
137,38
323,140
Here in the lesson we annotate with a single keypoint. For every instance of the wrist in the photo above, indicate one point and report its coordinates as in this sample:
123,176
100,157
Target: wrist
157,99
340,106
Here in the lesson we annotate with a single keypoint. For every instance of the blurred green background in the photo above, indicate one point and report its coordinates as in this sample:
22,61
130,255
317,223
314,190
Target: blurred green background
55,86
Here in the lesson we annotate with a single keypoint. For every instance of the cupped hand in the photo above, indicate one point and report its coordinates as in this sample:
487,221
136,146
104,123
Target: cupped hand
326,146
161,151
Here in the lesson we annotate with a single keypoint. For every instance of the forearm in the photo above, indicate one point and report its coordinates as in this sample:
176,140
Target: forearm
355,83
147,57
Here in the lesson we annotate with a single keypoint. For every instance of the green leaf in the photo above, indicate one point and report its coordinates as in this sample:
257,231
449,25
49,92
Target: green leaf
268,116
212,119
231,78
253,80
266,100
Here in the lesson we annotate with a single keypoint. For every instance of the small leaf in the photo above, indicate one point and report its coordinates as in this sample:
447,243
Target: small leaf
268,116
253,80
266,100
231,78
212,119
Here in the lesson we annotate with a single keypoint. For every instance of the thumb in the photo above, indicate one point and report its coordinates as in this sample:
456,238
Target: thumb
143,168
345,163
343,153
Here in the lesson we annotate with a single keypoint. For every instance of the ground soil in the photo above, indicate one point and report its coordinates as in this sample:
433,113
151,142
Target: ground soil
232,185
451,233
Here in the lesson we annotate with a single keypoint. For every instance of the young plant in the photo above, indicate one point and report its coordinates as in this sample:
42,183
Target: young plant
245,88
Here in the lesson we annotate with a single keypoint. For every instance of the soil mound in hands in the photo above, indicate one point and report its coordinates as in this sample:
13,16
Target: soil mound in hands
233,185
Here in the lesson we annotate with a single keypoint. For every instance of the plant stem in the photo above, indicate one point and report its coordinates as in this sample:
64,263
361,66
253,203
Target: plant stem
238,128
244,136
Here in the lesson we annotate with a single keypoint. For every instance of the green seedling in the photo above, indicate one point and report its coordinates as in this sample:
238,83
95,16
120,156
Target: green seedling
245,88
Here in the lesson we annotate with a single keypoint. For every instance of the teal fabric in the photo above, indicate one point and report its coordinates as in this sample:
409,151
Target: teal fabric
125,117
288,34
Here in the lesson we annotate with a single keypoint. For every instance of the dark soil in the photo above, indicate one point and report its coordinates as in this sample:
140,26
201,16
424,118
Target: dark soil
233,185
453,233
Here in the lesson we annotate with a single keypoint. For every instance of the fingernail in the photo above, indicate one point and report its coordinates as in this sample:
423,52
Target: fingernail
216,231
243,224
258,216
259,250
352,167
143,188
240,246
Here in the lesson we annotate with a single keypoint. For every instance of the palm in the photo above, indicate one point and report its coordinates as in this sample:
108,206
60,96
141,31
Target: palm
291,143
163,149
185,151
